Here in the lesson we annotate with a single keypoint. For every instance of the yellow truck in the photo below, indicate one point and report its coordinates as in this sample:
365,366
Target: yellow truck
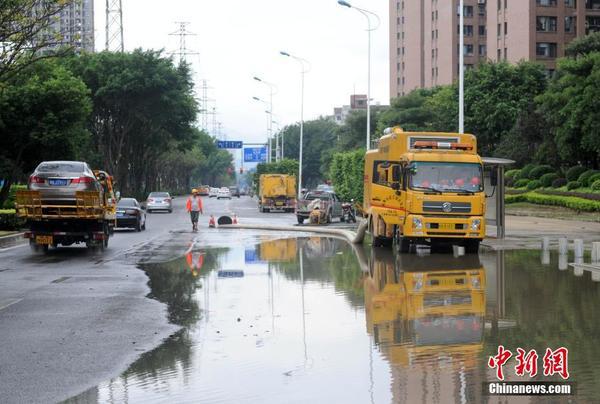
88,217
277,192
425,188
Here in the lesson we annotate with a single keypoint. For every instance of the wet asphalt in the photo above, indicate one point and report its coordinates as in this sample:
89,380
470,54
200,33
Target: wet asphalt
72,318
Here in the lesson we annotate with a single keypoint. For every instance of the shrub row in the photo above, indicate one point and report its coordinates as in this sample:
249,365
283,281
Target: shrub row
583,195
10,221
10,201
570,202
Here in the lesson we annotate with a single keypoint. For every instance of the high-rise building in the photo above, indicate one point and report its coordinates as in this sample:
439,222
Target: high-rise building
72,26
424,35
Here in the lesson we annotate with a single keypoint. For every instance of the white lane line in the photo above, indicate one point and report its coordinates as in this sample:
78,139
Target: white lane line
10,304
12,248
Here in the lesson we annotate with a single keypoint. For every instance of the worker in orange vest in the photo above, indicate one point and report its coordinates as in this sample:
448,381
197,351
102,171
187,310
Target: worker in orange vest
194,206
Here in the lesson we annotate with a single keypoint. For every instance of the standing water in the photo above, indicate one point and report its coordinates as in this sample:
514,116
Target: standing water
312,320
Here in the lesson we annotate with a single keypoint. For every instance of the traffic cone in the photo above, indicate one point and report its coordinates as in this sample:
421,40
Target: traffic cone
235,221
211,222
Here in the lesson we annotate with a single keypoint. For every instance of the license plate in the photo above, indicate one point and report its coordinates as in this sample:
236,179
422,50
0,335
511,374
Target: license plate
43,240
57,183
447,226
120,214
278,203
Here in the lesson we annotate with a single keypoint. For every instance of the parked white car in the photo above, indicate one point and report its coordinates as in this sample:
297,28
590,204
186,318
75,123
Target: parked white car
224,193
213,192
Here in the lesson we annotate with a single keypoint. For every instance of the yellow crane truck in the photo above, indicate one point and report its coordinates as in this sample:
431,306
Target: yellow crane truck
425,188
276,192
90,219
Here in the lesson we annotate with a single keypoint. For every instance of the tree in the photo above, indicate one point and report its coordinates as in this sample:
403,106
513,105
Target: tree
25,30
43,112
584,45
143,106
319,136
570,105
347,172
411,112
284,166
495,96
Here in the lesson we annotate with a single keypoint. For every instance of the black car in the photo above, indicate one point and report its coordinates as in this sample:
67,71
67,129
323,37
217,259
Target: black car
131,214
234,191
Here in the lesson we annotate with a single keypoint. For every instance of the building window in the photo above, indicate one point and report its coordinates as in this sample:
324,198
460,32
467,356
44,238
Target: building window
505,54
546,24
592,24
546,3
499,4
482,50
570,3
482,30
468,50
505,3
481,9
499,30
398,66
399,51
505,28
570,24
468,30
545,49
499,55
467,11
592,4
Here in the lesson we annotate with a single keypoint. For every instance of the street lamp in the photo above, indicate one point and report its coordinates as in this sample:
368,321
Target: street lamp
270,128
303,70
282,136
269,148
461,69
366,13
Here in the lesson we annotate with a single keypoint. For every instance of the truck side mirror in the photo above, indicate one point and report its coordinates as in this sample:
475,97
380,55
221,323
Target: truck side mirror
396,186
396,173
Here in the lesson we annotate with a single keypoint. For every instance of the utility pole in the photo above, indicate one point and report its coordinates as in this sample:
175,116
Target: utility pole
114,26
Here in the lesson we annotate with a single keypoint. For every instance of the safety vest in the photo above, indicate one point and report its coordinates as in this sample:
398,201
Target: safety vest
189,204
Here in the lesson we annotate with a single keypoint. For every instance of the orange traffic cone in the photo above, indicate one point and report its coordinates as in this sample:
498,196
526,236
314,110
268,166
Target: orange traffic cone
211,222
235,221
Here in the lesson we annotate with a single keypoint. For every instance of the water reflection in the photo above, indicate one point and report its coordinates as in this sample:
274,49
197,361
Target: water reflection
314,319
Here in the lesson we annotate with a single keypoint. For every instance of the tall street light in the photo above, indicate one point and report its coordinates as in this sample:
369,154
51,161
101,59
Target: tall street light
271,88
461,69
280,134
370,28
269,146
304,68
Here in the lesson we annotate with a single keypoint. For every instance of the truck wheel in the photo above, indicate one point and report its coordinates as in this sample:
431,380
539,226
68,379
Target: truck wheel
472,246
300,219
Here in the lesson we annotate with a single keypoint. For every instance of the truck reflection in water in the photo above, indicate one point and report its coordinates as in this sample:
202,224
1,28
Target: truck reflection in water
427,316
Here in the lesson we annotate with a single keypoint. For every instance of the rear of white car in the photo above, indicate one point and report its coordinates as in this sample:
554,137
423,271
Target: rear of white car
212,193
159,201
224,193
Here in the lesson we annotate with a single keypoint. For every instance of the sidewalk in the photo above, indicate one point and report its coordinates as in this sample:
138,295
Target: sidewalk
526,232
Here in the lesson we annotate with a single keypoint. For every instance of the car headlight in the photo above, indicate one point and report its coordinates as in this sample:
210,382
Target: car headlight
417,223
475,224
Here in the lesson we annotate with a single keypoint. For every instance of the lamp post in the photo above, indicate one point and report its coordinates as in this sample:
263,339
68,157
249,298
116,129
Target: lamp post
281,136
303,70
271,87
461,69
269,148
370,28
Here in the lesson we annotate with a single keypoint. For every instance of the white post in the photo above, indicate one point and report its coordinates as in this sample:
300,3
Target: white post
563,246
461,70
369,87
301,133
595,252
545,243
579,248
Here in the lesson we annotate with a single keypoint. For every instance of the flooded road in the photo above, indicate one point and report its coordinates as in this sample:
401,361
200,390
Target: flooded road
309,320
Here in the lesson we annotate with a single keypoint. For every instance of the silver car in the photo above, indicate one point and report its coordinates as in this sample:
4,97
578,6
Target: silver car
58,181
159,201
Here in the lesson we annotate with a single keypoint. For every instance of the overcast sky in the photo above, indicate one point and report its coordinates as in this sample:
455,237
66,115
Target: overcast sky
239,39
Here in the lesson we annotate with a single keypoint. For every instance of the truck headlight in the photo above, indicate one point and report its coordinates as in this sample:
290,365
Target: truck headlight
475,224
417,223
475,283
418,282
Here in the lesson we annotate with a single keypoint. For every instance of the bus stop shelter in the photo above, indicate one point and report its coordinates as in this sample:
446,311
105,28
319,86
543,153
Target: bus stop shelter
495,215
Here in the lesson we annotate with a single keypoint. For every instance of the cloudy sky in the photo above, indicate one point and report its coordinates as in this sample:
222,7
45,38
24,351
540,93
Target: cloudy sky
239,39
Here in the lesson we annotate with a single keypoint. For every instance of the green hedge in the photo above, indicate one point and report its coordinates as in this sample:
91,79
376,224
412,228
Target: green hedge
10,201
10,221
522,183
535,184
586,177
570,202
573,173
537,172
525,171
560,182
573,185
596,185
548,179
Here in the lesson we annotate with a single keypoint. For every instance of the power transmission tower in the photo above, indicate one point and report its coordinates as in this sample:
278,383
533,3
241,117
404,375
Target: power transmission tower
204,100
183,33
114,26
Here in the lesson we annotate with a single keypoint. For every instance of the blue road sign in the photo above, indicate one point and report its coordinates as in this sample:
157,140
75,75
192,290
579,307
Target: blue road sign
255,154
230,144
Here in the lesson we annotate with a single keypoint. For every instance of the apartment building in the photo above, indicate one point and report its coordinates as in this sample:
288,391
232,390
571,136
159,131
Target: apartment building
424,35
73,26
424,42
538,30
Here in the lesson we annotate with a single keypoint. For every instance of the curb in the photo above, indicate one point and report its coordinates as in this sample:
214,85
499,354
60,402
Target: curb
11,240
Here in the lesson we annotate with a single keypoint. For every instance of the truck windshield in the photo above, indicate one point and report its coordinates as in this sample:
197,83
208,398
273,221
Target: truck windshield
446,177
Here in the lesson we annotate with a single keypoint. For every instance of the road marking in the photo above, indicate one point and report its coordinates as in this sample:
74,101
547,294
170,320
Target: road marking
61,279
12,248
10,304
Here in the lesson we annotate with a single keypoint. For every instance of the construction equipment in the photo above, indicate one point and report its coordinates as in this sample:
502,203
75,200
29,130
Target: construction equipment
277,192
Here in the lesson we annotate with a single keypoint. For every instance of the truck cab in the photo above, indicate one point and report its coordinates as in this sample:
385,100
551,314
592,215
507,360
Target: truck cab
425,188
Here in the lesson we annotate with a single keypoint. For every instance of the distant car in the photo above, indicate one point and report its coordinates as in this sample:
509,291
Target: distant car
204,190
131,214
213,192
57,181
224,193
235,191
159,201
